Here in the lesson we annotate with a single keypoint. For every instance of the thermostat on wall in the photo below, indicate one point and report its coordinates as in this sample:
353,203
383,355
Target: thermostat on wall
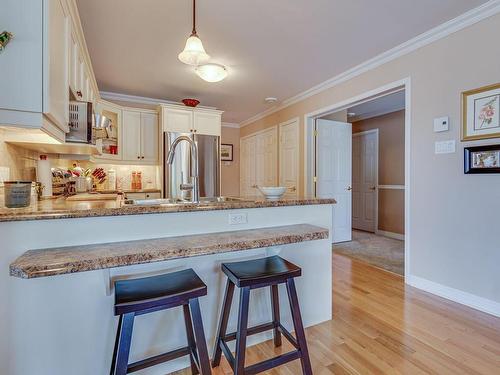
441,124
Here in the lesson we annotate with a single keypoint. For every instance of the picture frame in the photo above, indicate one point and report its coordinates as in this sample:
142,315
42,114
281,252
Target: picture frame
482,159
481,113
226,152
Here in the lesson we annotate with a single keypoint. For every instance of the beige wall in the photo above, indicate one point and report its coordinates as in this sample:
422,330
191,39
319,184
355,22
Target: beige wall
453,218
230,170
391,167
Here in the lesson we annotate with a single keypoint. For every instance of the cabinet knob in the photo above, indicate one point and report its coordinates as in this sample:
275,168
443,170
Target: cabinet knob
138,157
79,93
142,157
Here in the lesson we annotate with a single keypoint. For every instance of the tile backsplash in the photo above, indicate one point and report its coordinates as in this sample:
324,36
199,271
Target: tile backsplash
151,178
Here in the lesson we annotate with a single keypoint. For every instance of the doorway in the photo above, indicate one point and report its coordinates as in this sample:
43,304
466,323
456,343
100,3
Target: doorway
369,192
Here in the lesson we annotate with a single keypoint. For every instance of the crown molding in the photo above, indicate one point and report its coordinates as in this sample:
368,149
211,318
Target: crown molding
230,125
469,18
142,99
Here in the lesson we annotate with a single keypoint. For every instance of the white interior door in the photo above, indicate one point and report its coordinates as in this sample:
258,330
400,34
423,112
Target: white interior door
365,180
266,158
248,167
289,158
333,173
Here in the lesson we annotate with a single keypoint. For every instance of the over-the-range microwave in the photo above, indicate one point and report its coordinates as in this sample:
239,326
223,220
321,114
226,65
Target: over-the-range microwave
81,122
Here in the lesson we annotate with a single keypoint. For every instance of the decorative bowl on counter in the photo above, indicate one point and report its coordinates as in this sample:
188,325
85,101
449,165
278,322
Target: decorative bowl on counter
190,102
272,192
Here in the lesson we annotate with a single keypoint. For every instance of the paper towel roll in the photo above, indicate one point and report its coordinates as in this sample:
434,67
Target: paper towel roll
44,175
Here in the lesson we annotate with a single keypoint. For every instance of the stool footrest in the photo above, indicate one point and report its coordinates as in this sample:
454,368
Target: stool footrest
288,336
269,363
157,359
272,363
252,331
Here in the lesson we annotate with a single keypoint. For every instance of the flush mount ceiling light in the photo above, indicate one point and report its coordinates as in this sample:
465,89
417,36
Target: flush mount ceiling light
271,100
194,53
211,72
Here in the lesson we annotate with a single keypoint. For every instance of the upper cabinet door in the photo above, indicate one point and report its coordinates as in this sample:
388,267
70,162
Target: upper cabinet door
149,137
131,129
208,123
177,120
55,70
20,62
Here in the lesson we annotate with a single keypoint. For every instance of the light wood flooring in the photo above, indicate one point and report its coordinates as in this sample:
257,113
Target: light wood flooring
381,326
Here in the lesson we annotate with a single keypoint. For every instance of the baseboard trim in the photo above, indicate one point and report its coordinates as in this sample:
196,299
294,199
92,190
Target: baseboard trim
396,236
479,303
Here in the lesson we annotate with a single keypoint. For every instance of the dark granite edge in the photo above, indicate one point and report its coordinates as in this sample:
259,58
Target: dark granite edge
136,259
145,210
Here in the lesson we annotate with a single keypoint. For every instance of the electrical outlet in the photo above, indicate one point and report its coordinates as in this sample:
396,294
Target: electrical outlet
236,219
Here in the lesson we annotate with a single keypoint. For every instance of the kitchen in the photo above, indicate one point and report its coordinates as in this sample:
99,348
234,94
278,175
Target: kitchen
112,190
170,201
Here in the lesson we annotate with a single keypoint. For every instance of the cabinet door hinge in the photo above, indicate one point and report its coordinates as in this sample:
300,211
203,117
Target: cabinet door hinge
315,179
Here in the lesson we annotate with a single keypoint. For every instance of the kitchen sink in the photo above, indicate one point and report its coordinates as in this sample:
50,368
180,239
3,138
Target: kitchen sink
177,202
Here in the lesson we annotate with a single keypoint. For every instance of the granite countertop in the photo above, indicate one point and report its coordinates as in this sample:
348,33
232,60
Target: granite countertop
64,260
60,208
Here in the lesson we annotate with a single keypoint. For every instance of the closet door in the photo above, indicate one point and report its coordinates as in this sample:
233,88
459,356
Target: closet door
266,158
248,167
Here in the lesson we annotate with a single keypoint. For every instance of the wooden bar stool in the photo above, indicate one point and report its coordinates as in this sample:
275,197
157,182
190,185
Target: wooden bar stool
255,274
142,296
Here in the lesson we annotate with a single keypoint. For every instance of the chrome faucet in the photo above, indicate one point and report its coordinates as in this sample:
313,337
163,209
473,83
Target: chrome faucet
195,197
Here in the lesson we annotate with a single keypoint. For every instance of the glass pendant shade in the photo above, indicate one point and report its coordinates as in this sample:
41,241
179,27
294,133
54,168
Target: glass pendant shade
211,72
194,53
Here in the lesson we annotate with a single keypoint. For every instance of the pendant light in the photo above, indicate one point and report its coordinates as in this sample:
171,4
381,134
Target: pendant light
194,53
211,72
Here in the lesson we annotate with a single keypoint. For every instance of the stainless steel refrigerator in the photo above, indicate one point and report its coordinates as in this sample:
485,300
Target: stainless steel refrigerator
177,176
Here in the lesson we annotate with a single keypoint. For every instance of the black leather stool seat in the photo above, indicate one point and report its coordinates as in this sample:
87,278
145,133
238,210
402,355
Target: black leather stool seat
253,274
154,291
260,271
145,295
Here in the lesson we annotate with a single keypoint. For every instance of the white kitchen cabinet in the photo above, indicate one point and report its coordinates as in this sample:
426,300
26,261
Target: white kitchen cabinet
208,123
111,139
131,136
175,118
149,137
140,136
34,88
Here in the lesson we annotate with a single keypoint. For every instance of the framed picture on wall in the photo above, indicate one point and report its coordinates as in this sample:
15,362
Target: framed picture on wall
481,113
482,159
226,152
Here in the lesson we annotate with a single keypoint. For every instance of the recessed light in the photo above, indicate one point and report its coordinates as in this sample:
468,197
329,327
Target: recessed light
271,100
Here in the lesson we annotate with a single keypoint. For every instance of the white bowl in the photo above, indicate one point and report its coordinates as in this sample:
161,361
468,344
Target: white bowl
272,192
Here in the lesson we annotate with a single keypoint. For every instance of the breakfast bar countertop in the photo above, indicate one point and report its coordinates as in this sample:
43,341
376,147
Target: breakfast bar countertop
61,208
71,259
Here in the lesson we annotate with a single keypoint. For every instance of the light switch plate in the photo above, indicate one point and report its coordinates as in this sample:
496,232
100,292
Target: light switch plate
445,147
441,124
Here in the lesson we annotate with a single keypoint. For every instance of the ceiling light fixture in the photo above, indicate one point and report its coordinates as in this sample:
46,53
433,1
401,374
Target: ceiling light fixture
271,100
194,53
211,72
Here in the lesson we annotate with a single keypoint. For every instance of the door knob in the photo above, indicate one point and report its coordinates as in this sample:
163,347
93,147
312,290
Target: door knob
255,186
293,188
349,188
373,188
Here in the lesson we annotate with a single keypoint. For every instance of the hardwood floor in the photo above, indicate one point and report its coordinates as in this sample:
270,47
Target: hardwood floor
381,326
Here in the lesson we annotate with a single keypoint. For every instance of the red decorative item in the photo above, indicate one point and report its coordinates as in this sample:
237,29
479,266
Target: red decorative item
190,102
